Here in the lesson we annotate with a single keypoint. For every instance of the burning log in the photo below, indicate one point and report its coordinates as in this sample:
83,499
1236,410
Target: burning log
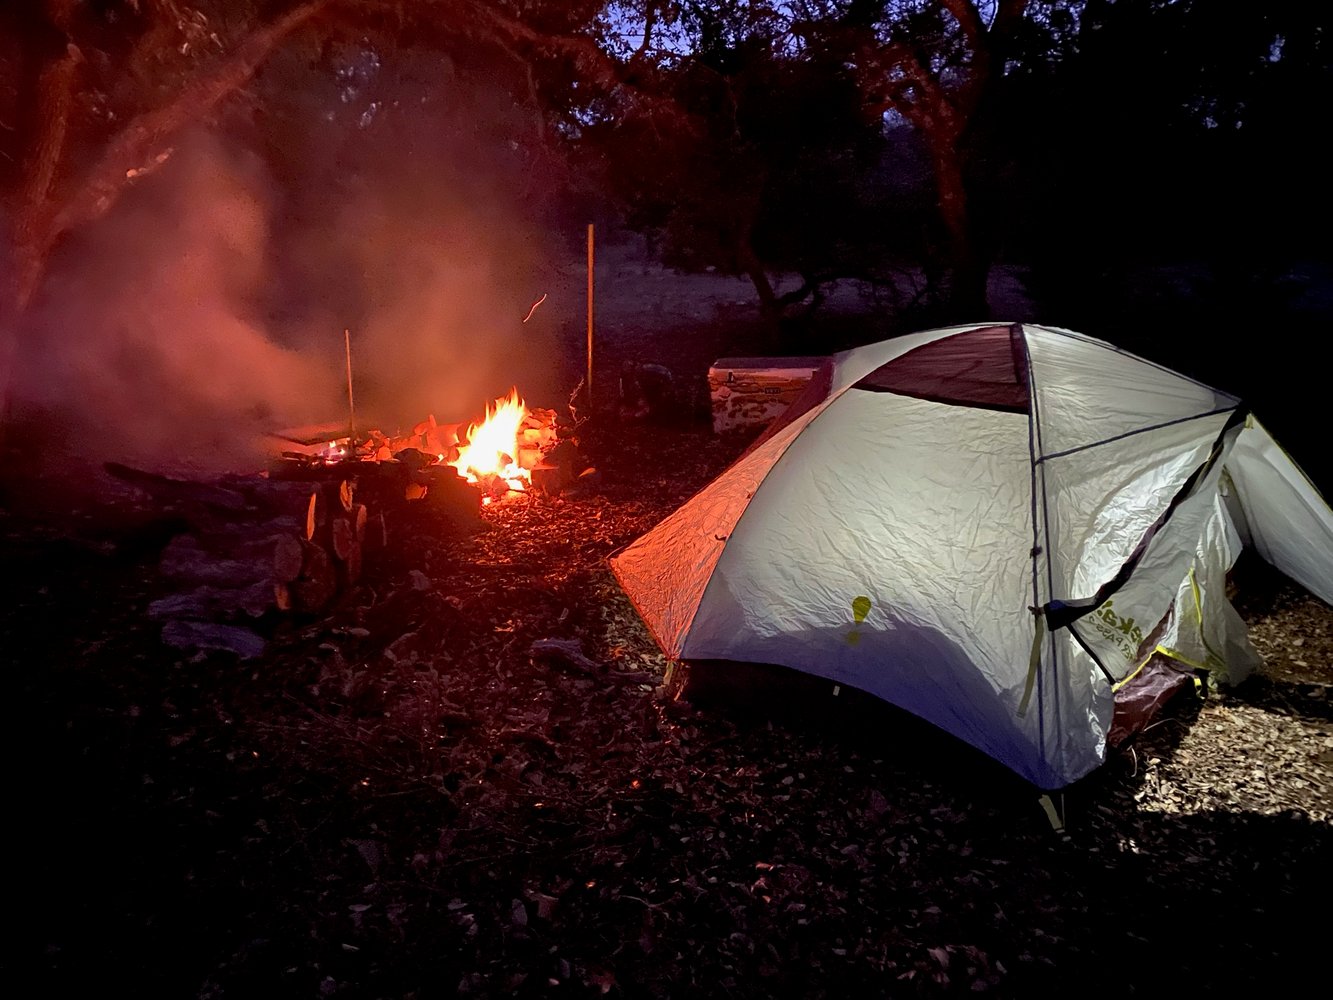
449,496
440,440
330,501
437,477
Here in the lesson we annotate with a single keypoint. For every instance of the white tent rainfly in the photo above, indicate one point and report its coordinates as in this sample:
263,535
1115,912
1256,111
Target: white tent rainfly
1001,529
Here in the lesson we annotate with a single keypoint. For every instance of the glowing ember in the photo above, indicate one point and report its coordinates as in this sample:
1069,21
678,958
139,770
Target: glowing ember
492,447
334,452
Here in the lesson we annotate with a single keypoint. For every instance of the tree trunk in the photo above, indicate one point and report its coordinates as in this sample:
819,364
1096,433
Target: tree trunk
772,310
51,97
769,307
55,99
968,266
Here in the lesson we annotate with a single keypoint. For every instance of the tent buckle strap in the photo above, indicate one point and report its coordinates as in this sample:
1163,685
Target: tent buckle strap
1034,660
1054,814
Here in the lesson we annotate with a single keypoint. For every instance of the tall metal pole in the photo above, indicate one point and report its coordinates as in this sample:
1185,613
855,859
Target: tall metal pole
590,263
351,406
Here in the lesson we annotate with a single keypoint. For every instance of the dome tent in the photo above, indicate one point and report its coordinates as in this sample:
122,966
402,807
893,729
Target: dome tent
992,527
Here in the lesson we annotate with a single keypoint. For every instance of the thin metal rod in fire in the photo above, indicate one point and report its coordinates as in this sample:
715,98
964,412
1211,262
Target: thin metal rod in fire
590,272
351,405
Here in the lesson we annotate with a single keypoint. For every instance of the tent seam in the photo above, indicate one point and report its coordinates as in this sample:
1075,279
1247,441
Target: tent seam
1128,434
834,395
712,577
1034,463
1070,611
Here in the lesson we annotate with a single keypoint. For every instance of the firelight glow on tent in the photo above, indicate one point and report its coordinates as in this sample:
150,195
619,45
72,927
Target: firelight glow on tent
993,527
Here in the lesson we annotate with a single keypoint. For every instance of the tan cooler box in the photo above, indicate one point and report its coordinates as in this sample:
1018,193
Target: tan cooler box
749,392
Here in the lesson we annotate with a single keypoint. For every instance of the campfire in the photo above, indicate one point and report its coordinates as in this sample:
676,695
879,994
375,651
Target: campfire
493,447
498,454
365,487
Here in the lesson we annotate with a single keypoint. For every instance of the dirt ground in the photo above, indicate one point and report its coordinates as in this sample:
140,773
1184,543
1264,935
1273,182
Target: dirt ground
405,797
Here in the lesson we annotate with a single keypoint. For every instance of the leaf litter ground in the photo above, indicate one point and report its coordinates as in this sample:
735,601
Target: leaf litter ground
467,780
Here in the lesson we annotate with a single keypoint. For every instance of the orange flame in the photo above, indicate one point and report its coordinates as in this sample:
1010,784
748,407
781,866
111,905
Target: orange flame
492,447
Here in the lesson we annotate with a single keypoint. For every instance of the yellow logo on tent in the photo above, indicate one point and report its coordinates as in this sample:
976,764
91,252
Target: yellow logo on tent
860,608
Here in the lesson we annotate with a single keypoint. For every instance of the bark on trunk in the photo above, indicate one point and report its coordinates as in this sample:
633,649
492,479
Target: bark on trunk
55,99
968,267
769,307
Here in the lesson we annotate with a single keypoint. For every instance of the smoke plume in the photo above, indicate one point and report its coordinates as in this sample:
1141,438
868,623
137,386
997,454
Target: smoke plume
208,309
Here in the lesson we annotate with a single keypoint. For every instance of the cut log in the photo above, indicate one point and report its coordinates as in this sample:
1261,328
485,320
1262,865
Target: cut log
318,582
352,569
342,537
550,478
450,494
288,558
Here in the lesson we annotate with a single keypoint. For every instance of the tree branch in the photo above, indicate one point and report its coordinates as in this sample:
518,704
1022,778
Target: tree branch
931,110
649,22
594,65
969,19
983,45
141,143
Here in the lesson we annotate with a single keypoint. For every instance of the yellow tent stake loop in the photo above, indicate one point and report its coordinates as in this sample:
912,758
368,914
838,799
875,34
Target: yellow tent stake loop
1034,660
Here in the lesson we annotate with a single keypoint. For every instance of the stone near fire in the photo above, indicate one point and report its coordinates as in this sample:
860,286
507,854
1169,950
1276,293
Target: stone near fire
215,602
203,636
550,478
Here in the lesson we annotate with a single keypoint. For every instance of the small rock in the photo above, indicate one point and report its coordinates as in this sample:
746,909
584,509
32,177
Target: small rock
206,635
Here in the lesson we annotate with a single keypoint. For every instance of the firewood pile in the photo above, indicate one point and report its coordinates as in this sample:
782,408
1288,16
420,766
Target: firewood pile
296,539
347,519
309,451
249,548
